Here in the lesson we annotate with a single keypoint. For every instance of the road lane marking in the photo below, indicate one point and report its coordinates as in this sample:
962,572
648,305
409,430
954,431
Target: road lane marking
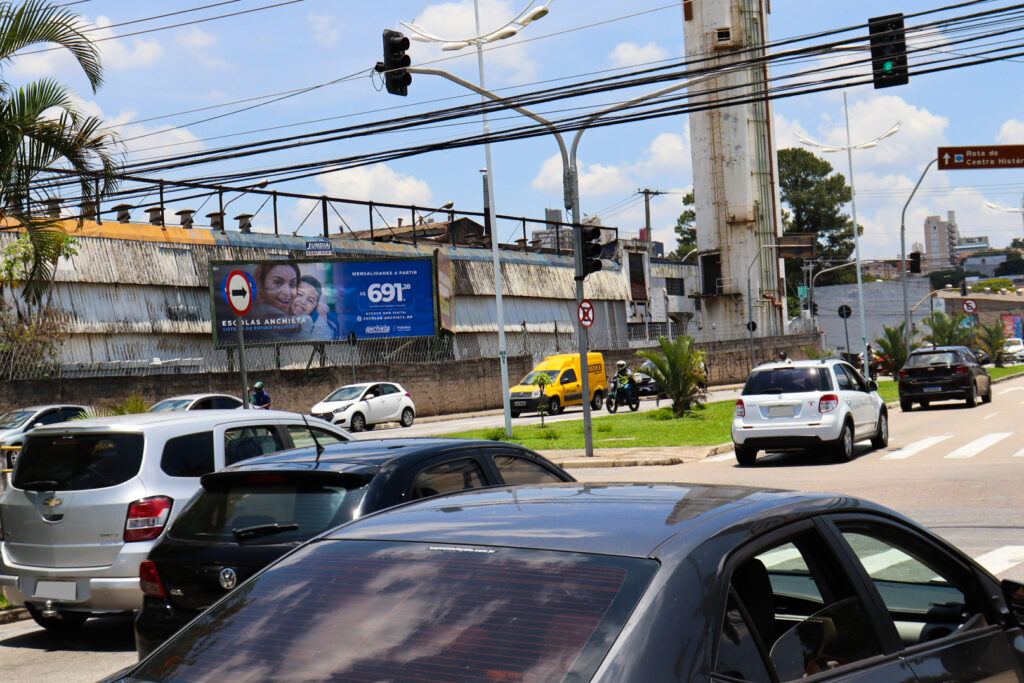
1001,559
1019,454
879,561
915,448
988,416
1006,391
969,450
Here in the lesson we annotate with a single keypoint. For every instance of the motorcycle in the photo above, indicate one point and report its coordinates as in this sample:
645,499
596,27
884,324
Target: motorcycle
622,392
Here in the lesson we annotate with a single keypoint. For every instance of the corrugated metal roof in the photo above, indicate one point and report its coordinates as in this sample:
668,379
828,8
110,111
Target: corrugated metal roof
537,280
101,308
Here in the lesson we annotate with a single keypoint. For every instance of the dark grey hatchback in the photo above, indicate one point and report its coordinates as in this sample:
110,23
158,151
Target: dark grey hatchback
613,583
940,373
247,515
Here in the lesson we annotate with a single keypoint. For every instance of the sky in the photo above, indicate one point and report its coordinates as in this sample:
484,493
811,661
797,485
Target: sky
223,81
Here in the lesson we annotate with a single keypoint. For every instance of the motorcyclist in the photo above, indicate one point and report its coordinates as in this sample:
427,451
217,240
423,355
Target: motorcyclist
624,378
260,397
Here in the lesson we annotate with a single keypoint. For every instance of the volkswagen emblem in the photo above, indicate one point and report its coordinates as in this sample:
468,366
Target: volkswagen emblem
228,578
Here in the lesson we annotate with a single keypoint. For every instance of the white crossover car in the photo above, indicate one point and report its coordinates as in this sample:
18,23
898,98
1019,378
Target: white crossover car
824,405
364,406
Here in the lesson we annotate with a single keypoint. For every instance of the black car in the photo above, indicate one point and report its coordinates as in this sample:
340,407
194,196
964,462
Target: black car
940,373
247,515
613,583
645,384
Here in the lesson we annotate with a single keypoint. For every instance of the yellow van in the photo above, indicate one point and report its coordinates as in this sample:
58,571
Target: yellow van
566,386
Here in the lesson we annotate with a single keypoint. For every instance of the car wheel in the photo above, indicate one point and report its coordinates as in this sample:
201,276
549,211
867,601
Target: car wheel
554,406
843,447
745,456
881,437
515,413
972,396
357,423
611,404
64,622
987,398
634,404
906,405
598,400
407,417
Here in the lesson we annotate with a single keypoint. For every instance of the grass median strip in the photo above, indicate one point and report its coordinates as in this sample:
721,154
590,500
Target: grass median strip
703,427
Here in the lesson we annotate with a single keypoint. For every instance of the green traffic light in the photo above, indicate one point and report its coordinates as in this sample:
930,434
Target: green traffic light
888,66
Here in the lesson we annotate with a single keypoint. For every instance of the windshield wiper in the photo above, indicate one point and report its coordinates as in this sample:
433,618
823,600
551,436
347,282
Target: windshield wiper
41,485
262,530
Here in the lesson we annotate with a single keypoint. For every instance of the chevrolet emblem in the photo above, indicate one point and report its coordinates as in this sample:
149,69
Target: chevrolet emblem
53,502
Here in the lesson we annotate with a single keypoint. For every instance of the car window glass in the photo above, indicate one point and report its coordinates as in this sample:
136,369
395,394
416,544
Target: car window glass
226,403
784,380
569,376
923,603
48,418
516,470
799,603
204,404
857,382
190,455
241,443
738,655
70,413
386,389
447,477
842,379
923,360
372,392
302,438
76,462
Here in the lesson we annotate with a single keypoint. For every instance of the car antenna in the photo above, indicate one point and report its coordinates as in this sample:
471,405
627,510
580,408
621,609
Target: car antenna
319,448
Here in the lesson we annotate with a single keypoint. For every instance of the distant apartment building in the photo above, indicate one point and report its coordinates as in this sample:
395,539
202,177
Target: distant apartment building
941,238
971,245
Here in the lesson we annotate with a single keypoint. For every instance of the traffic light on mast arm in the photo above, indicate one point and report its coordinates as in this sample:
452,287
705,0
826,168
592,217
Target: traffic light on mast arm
915,262
888,51
591,249
396,78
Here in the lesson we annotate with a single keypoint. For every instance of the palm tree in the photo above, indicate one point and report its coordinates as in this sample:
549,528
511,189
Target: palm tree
894,348
946,330
991,338
680,372
41,129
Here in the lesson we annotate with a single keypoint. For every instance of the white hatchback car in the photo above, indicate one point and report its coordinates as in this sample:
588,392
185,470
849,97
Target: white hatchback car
809,404
89,498
366,405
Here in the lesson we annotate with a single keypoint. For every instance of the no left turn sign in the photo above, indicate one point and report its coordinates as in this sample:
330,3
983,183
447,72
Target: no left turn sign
970,305
585,311
238,292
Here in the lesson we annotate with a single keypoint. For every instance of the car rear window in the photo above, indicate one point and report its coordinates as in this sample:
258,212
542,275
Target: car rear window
787,380
923,360
266,513
375,611
77,462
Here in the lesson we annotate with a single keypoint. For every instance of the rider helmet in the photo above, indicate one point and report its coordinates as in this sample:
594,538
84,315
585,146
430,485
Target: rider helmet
257,386
621,364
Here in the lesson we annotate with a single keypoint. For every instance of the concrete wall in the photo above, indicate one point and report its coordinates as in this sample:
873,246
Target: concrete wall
437,388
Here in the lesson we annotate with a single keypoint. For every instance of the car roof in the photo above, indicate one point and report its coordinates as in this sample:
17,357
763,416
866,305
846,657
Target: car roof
139,421
46,407
195,396
368,452
812,363
932,349
636,520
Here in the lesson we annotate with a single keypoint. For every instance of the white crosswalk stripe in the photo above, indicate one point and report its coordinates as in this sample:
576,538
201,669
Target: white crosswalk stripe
969,450
984,418
1001,559
1019,454
915,448
996,561
1006,391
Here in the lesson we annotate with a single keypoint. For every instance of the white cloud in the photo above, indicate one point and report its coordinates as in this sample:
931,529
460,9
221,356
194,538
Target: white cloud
325,28
368,183
505,60
631,54
202,46
669,153
1011,132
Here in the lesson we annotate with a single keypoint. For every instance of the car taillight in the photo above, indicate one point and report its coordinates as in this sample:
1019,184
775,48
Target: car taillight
963,369
741,410
149,580
828,403
904,374
146,518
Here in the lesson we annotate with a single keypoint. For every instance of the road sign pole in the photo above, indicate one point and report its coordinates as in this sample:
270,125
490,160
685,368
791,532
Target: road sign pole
241,361
846,329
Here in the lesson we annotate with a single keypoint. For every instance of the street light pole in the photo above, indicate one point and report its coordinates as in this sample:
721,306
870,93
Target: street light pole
750,300
903,256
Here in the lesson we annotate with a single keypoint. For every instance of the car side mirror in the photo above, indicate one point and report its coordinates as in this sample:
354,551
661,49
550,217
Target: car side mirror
872,385
369,396
1013,591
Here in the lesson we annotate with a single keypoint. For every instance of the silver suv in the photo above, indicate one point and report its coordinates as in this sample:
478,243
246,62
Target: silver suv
816,404
89,498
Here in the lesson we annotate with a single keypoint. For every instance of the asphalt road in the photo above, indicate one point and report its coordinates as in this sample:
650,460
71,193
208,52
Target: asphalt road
954,469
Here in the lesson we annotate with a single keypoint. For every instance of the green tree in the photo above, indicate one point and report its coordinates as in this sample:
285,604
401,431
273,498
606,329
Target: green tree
947,330
679,369
42,127
686,228
894,348
990,339
1017,243
815,196
941,278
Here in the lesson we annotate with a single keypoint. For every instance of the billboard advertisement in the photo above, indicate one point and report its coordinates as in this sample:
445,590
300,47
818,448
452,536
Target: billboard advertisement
320,300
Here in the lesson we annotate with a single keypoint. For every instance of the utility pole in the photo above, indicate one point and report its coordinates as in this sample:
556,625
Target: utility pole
647,210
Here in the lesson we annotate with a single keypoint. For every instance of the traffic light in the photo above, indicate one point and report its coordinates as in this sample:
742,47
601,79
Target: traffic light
814,308
963,287
888,51
915,262
590,252
396,78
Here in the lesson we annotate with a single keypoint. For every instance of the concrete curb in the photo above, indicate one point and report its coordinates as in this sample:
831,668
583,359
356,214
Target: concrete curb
13,614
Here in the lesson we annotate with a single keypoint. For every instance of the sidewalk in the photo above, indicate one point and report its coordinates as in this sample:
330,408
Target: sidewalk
633,457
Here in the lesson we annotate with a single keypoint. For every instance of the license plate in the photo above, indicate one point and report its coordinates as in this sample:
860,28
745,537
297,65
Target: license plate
56,590
519,403
933,388
780,411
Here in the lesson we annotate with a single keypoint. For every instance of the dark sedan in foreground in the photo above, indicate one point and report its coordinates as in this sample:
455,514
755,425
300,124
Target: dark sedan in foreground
615,583
940,373
247,515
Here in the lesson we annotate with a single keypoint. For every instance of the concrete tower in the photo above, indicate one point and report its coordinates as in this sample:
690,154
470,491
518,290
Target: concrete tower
734,171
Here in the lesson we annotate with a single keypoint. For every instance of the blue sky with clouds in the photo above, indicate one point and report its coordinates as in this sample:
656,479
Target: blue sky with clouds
313,42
